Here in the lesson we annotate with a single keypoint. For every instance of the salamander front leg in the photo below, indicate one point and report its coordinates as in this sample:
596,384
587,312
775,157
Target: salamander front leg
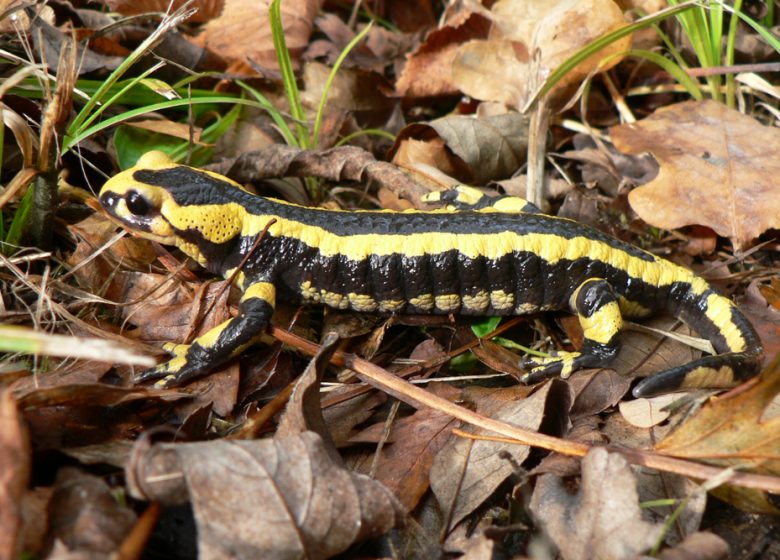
220,344
597,308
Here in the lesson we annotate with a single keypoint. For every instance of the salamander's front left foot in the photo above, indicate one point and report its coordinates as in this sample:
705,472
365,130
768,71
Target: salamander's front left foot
180,368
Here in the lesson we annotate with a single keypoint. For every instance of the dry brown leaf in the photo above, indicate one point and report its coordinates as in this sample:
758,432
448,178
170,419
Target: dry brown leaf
242,31
603,520
466,472
14,473
718,169
205,9
273,498
698,546
428,70
18,21
85,517
646,413
731,431
183,131
345,163
690,500
487,149
502,68
284,497
406,460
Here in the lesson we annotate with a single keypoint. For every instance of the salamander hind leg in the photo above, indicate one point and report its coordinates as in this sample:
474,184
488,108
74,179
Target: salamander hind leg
599,313
220,344
464,197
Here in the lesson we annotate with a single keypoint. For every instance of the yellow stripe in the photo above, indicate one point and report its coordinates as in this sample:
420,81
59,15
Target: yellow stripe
550,247
719,311
265,291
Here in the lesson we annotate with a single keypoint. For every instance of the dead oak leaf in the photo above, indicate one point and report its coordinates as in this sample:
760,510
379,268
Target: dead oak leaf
275,498
718,168
467,472
603,520
733,430
502,68
242,30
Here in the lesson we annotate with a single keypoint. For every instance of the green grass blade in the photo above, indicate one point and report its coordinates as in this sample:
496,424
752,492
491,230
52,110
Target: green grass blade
332,76
70,141
19,223
678,73
366,131
761,30
731,84
167,23
115,97
273,112
288,75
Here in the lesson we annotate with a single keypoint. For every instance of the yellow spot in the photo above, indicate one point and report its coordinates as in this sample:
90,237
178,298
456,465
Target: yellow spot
391,305
500,300
468,195
332,299
210,338
709,377
567,361
424,301
192,251
362,302
447,302
175,364
526,309
510,205
603,324
176,349
308,292
477,302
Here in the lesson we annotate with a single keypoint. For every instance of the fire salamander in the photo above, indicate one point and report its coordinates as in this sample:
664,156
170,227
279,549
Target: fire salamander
478,256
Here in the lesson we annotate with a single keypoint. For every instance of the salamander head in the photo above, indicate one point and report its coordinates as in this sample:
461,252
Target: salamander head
138,206
175,204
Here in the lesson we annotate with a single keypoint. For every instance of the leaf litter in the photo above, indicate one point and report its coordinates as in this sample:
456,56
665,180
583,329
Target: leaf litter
444,90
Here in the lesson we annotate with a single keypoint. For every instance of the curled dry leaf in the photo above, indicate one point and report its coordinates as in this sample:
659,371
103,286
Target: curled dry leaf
428,70
718,169
504,67
485,149
85,516
242,31
273,499
346,163
733,431
603,519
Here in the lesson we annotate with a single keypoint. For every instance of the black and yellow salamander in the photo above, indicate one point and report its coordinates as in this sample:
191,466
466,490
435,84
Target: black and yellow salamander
480,256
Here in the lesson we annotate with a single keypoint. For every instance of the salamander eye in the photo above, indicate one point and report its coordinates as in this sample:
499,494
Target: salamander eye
137,204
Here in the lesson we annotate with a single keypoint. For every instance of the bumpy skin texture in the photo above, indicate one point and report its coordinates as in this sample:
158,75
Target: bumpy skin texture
480,256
